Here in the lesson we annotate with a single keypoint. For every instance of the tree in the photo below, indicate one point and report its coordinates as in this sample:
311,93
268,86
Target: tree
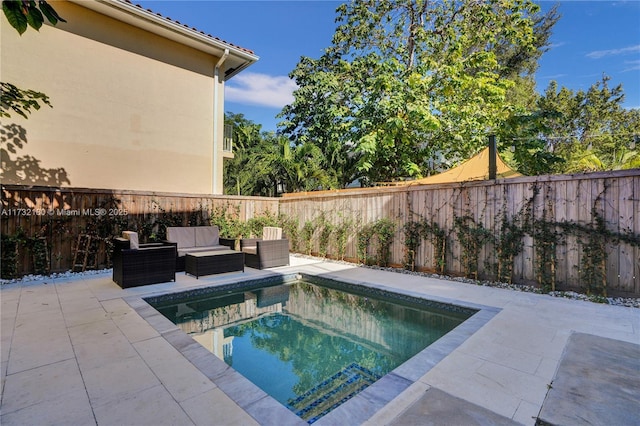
590,130
21,14
568,132
266,164
407,83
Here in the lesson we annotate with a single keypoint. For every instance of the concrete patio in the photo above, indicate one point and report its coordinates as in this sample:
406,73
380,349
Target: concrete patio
82,351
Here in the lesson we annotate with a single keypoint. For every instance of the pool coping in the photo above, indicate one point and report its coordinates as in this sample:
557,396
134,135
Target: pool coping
265,409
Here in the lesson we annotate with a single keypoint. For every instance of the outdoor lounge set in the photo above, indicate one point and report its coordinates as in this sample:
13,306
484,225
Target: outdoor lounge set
196,250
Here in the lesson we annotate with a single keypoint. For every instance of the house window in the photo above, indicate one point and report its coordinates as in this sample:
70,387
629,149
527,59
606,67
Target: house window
227,143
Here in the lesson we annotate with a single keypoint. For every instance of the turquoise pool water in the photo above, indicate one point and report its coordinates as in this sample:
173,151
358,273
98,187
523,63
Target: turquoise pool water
310,347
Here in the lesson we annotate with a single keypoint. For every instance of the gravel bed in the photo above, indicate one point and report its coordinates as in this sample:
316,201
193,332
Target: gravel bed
631,302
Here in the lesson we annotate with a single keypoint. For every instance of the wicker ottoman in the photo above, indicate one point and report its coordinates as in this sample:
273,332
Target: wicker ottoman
213,262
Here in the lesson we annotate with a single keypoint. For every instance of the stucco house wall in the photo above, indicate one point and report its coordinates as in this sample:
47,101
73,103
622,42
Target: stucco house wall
132,109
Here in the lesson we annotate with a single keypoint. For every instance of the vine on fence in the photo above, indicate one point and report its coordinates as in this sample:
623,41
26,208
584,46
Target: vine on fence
382,231
341,232
325,229
308,229
289,227
9,255
227,219
472,237
431,231
412,241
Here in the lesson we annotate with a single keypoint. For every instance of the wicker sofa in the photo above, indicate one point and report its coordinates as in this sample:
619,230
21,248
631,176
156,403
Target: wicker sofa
142,264
267,252
194,239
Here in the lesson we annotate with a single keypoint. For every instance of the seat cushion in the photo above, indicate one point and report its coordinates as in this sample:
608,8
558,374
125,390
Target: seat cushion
184,251
184,236
207,236
250,250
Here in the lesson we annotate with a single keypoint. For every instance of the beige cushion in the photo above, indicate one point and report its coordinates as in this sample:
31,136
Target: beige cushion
271,233
184,251
250,250
133,239
207,236
184,236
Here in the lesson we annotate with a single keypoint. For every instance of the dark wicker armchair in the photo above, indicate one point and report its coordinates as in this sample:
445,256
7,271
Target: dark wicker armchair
148,264
268,252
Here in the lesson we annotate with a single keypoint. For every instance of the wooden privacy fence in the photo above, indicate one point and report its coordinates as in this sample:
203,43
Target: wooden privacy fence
48,221
560,232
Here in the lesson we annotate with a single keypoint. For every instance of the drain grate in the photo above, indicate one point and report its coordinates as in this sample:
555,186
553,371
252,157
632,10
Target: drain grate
329,394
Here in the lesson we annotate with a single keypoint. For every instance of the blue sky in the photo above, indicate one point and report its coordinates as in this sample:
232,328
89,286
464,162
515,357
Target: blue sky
592,38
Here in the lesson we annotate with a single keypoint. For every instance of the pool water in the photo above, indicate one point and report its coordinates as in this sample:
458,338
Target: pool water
310,347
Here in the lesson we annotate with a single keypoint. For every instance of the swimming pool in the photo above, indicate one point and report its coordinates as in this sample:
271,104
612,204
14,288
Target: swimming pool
311,344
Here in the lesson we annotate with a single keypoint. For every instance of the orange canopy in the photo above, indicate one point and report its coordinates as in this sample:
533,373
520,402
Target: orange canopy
475,168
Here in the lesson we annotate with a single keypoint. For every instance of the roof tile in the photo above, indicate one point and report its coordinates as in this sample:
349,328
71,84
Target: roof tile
186,26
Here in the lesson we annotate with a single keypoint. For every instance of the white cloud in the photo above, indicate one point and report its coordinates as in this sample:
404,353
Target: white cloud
597,54
260,89
632,65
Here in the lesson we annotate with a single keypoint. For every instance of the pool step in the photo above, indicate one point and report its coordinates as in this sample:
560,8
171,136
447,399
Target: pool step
332,392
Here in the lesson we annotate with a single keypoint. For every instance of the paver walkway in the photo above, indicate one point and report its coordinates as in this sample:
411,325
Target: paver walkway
598,383
75,352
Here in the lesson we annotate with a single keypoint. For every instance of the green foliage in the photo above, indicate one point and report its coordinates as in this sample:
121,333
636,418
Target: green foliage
472,237
431,231
325,230
23,13
403,80
385,230
590,130
365,234
267,164
9,253
341,234
412,241
290,228
258,222
227,219
508,242
39,250
20,14
382,232
594,259
308,229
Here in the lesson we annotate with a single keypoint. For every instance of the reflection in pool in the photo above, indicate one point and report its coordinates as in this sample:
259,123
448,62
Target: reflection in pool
310,347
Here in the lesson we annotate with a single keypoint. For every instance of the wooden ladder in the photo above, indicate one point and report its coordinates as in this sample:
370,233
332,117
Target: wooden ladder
83,253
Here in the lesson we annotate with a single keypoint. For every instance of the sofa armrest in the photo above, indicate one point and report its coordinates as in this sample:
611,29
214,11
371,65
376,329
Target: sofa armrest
249,242
282,244
229,242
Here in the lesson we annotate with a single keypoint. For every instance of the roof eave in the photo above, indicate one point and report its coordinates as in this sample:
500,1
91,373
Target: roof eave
238,58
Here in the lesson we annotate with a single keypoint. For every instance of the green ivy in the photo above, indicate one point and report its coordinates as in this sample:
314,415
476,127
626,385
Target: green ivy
438,237
364,238
289,227
325,229
472,237
227,219
308,229
341,233
384,230
9,254
412,241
